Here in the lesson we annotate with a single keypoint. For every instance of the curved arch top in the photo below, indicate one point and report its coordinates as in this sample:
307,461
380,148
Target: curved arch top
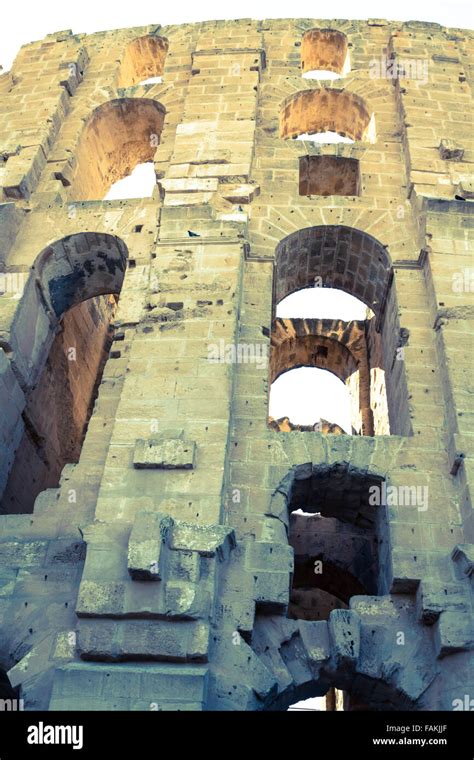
67,272
343,257
313,350
81,266
144,57
327,110
118,135
324,50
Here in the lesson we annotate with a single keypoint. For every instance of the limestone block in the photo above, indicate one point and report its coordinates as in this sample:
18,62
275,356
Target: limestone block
156,640
22,553
315,637
93,686
22,172
186,600
267,556
271,591
344,632
208,540
165,454
463,556
435,597
454,632
190,185
465,188
244,193
184,566
146,547
100,598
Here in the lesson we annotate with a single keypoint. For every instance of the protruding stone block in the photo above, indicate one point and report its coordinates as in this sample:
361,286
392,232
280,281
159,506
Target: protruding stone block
454,632
315,637
465,189
164,454
146,546
450,150
344,631
208,540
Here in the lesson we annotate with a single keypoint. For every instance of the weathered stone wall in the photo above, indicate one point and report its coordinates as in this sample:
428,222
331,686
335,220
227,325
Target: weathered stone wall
157,575
57,410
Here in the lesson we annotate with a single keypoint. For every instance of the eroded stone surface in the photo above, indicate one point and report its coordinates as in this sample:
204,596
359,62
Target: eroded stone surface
241,616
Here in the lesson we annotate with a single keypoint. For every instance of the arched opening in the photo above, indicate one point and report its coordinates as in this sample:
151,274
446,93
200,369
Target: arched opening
144,60
324,54
338,529
338,115
339,535
310,398
334,561
119,135
359,345
62,334
323,328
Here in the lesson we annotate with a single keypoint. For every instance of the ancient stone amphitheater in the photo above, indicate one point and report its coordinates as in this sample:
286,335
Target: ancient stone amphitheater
163,543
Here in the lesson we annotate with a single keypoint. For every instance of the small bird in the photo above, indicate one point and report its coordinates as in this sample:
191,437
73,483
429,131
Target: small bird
193,234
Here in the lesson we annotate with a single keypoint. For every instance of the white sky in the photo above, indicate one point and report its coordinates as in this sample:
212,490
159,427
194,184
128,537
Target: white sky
30,20
139,184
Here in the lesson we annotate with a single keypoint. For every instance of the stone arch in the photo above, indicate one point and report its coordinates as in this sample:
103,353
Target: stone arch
355,498
342,257
333,345
61,335
332,490
324,50
66,272
144,57
327,110
345,258
307,657
314,349
333,561
297,396
118,135
81,266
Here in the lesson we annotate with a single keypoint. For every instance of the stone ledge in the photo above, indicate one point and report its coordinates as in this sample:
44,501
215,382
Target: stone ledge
164,454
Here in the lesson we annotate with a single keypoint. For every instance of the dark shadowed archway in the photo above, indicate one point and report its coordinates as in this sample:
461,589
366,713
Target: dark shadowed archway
61,337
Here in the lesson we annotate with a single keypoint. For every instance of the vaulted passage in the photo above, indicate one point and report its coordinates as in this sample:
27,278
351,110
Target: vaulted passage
338,529
339,538
333,562
362,352
327,110
324,54
61,344
144,58
59,407
119,135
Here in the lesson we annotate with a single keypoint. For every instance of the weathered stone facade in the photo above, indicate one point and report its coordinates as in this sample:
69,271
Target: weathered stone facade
157,573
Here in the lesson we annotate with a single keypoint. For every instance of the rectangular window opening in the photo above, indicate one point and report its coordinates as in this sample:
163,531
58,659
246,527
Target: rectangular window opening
329,175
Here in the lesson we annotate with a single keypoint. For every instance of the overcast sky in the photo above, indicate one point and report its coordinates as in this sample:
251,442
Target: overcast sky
26,20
